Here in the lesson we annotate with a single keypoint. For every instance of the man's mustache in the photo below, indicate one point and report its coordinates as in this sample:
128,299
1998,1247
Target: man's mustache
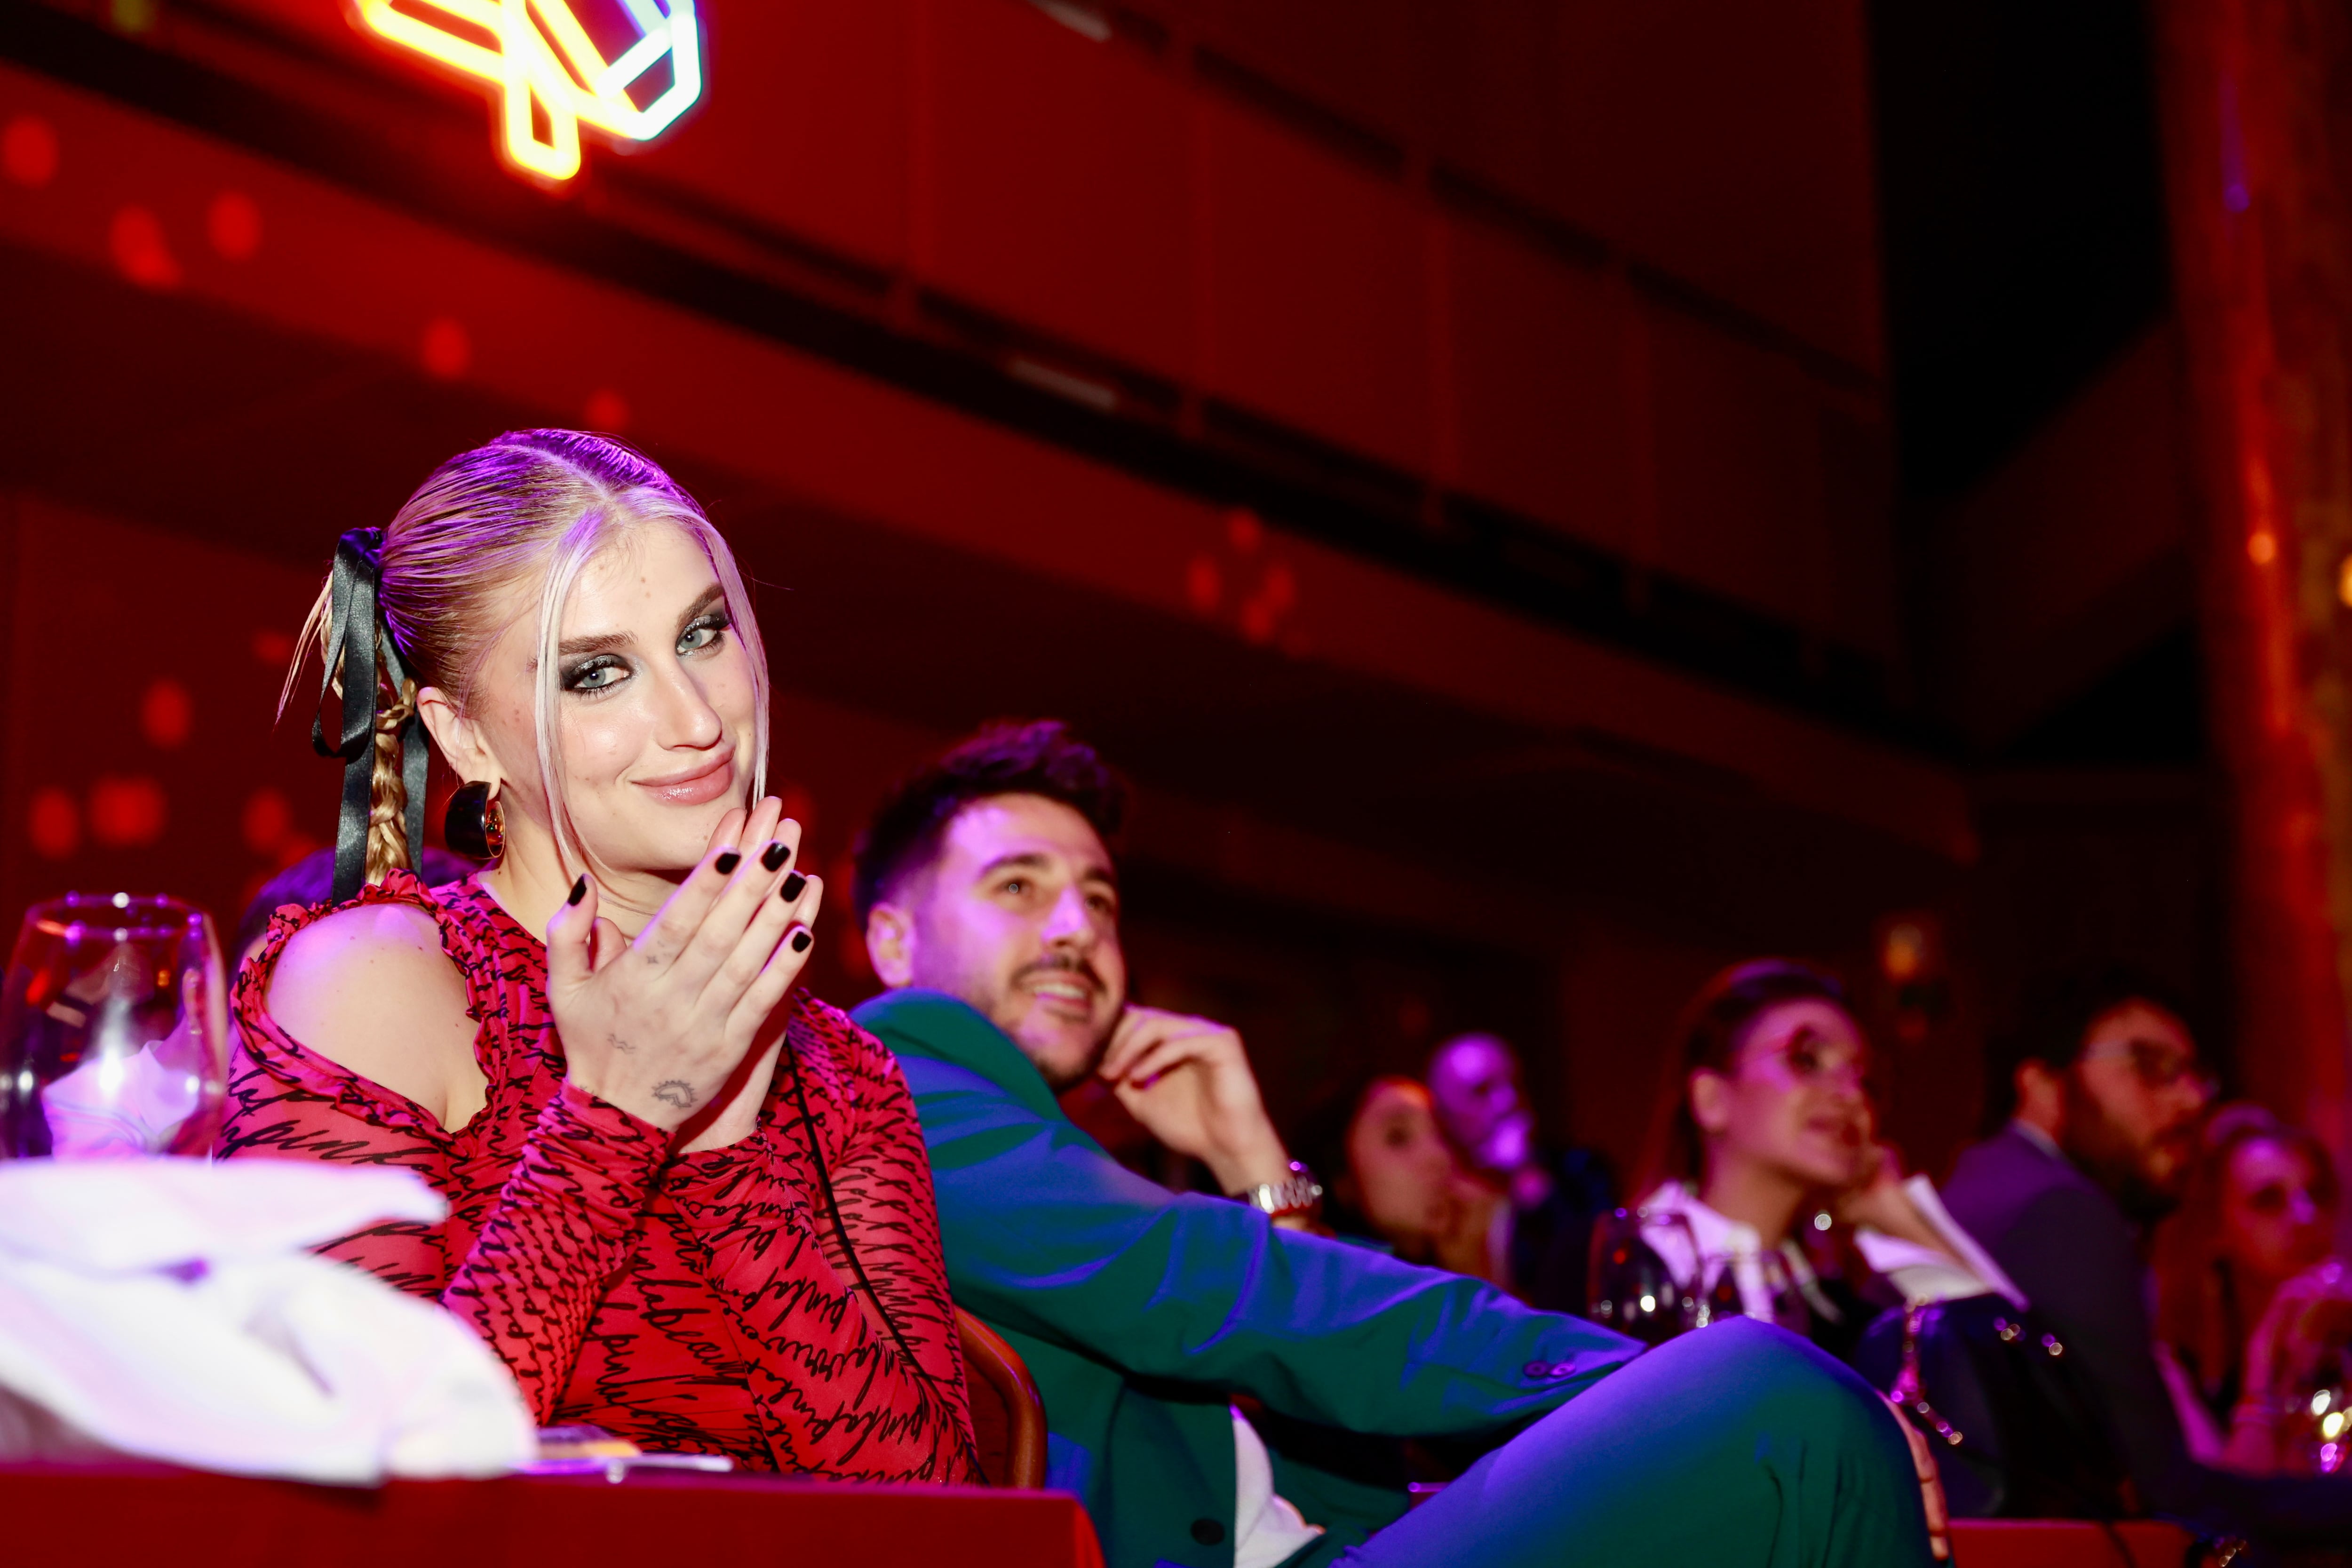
1061,964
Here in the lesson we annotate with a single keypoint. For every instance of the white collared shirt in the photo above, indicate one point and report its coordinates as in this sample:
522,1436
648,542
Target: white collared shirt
1673,1219
1697,1244
1267,1527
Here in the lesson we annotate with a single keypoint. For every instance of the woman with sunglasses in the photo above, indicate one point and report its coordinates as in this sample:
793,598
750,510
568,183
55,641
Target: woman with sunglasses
1766,1139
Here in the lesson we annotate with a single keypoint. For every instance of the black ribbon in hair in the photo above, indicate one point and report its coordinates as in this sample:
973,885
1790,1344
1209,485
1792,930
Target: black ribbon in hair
355,633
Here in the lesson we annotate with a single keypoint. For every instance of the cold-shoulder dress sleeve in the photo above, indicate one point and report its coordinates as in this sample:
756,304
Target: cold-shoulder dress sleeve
525,1264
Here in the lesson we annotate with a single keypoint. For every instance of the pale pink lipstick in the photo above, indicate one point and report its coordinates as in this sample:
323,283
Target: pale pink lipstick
697,788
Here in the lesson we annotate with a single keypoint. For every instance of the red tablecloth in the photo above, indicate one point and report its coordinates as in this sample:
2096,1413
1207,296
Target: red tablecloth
2065,1544
141,1516
134,1516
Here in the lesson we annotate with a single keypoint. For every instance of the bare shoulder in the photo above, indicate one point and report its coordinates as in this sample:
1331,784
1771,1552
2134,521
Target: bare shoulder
371,989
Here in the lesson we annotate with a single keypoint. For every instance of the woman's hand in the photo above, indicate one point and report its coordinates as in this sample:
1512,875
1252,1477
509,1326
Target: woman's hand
1875,1196
2308,1321
1463,1243
1878,1199
657,1025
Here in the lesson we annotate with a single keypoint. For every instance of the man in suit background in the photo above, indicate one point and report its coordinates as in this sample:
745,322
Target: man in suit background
2104,1093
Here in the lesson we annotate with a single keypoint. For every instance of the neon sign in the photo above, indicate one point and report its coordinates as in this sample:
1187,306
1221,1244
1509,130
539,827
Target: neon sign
550,74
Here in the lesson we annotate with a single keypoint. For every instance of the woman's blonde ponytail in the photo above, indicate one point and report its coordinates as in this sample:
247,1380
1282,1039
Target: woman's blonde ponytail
388,836
379,738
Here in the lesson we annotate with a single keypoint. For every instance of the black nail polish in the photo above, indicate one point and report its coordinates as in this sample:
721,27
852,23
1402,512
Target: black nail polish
726,862
579,889
792,887
800,941
775,854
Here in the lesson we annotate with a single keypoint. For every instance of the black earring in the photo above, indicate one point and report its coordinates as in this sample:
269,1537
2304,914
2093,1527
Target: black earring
474,826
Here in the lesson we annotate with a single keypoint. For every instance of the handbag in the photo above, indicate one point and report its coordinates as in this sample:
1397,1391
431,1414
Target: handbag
1993,1389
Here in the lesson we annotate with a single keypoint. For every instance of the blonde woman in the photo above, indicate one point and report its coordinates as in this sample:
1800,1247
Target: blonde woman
689,1203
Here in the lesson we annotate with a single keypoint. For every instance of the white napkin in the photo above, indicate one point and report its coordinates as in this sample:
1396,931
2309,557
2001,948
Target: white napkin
169,1308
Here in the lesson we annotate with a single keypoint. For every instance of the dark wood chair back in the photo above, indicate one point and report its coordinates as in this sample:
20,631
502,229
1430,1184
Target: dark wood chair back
1008,1418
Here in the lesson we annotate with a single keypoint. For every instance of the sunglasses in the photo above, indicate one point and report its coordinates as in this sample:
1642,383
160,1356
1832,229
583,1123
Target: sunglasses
1813,1059
2158,1065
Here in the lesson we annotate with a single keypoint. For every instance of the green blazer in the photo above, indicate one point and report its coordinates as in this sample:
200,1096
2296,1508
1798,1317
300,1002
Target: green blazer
1140,1312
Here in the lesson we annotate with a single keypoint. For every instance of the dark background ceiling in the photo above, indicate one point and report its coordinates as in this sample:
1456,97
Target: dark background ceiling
2022,204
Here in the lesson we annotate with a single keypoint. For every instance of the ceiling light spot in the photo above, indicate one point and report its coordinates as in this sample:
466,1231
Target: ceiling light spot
447,350
28,152
607,411
140,252
1203,587
232,223
167,715
127,812
54,824
267,820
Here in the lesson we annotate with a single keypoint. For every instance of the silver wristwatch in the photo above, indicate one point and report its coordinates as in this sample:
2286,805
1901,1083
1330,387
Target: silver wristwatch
1298,1194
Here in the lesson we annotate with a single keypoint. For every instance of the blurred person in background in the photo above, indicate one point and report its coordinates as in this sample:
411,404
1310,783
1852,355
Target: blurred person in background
1538,1240
1391,1176
1766,1139
2253,1312
2099,1098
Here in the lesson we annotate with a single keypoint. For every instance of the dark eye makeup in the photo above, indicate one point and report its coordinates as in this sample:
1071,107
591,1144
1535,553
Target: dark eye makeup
596,673
602,672
703,633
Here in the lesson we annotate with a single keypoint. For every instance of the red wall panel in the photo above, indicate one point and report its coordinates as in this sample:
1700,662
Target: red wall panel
223,797
321,21
1739,485
1490,75
1730,141
804,121
1357,57
1097,192
1058,182
1539,390
1318,292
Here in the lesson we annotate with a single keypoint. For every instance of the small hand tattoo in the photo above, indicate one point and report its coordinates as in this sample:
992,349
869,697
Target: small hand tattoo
621,1045
672,1092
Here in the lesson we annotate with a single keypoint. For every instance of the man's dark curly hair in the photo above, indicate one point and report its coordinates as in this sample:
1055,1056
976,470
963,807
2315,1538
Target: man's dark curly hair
2059,1007
1010,757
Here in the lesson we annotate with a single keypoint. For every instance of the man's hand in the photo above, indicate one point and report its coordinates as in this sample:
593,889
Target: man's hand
1188,1081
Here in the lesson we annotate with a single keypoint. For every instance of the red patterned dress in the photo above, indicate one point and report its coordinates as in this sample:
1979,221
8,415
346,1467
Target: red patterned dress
690,1302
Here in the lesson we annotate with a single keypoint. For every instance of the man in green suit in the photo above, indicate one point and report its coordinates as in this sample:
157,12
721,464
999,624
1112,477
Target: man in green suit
991,903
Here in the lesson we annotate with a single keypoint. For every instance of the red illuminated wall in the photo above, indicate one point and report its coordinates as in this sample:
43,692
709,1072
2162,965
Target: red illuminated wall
1609,269
1613,269
143,670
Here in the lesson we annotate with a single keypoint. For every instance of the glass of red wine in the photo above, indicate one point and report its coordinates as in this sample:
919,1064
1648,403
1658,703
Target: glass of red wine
113,1030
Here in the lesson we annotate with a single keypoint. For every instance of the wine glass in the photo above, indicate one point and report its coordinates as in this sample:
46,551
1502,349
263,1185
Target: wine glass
113,1030
1633,1290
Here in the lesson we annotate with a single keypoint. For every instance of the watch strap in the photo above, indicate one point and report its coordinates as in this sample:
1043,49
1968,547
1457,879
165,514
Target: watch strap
1298,1194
